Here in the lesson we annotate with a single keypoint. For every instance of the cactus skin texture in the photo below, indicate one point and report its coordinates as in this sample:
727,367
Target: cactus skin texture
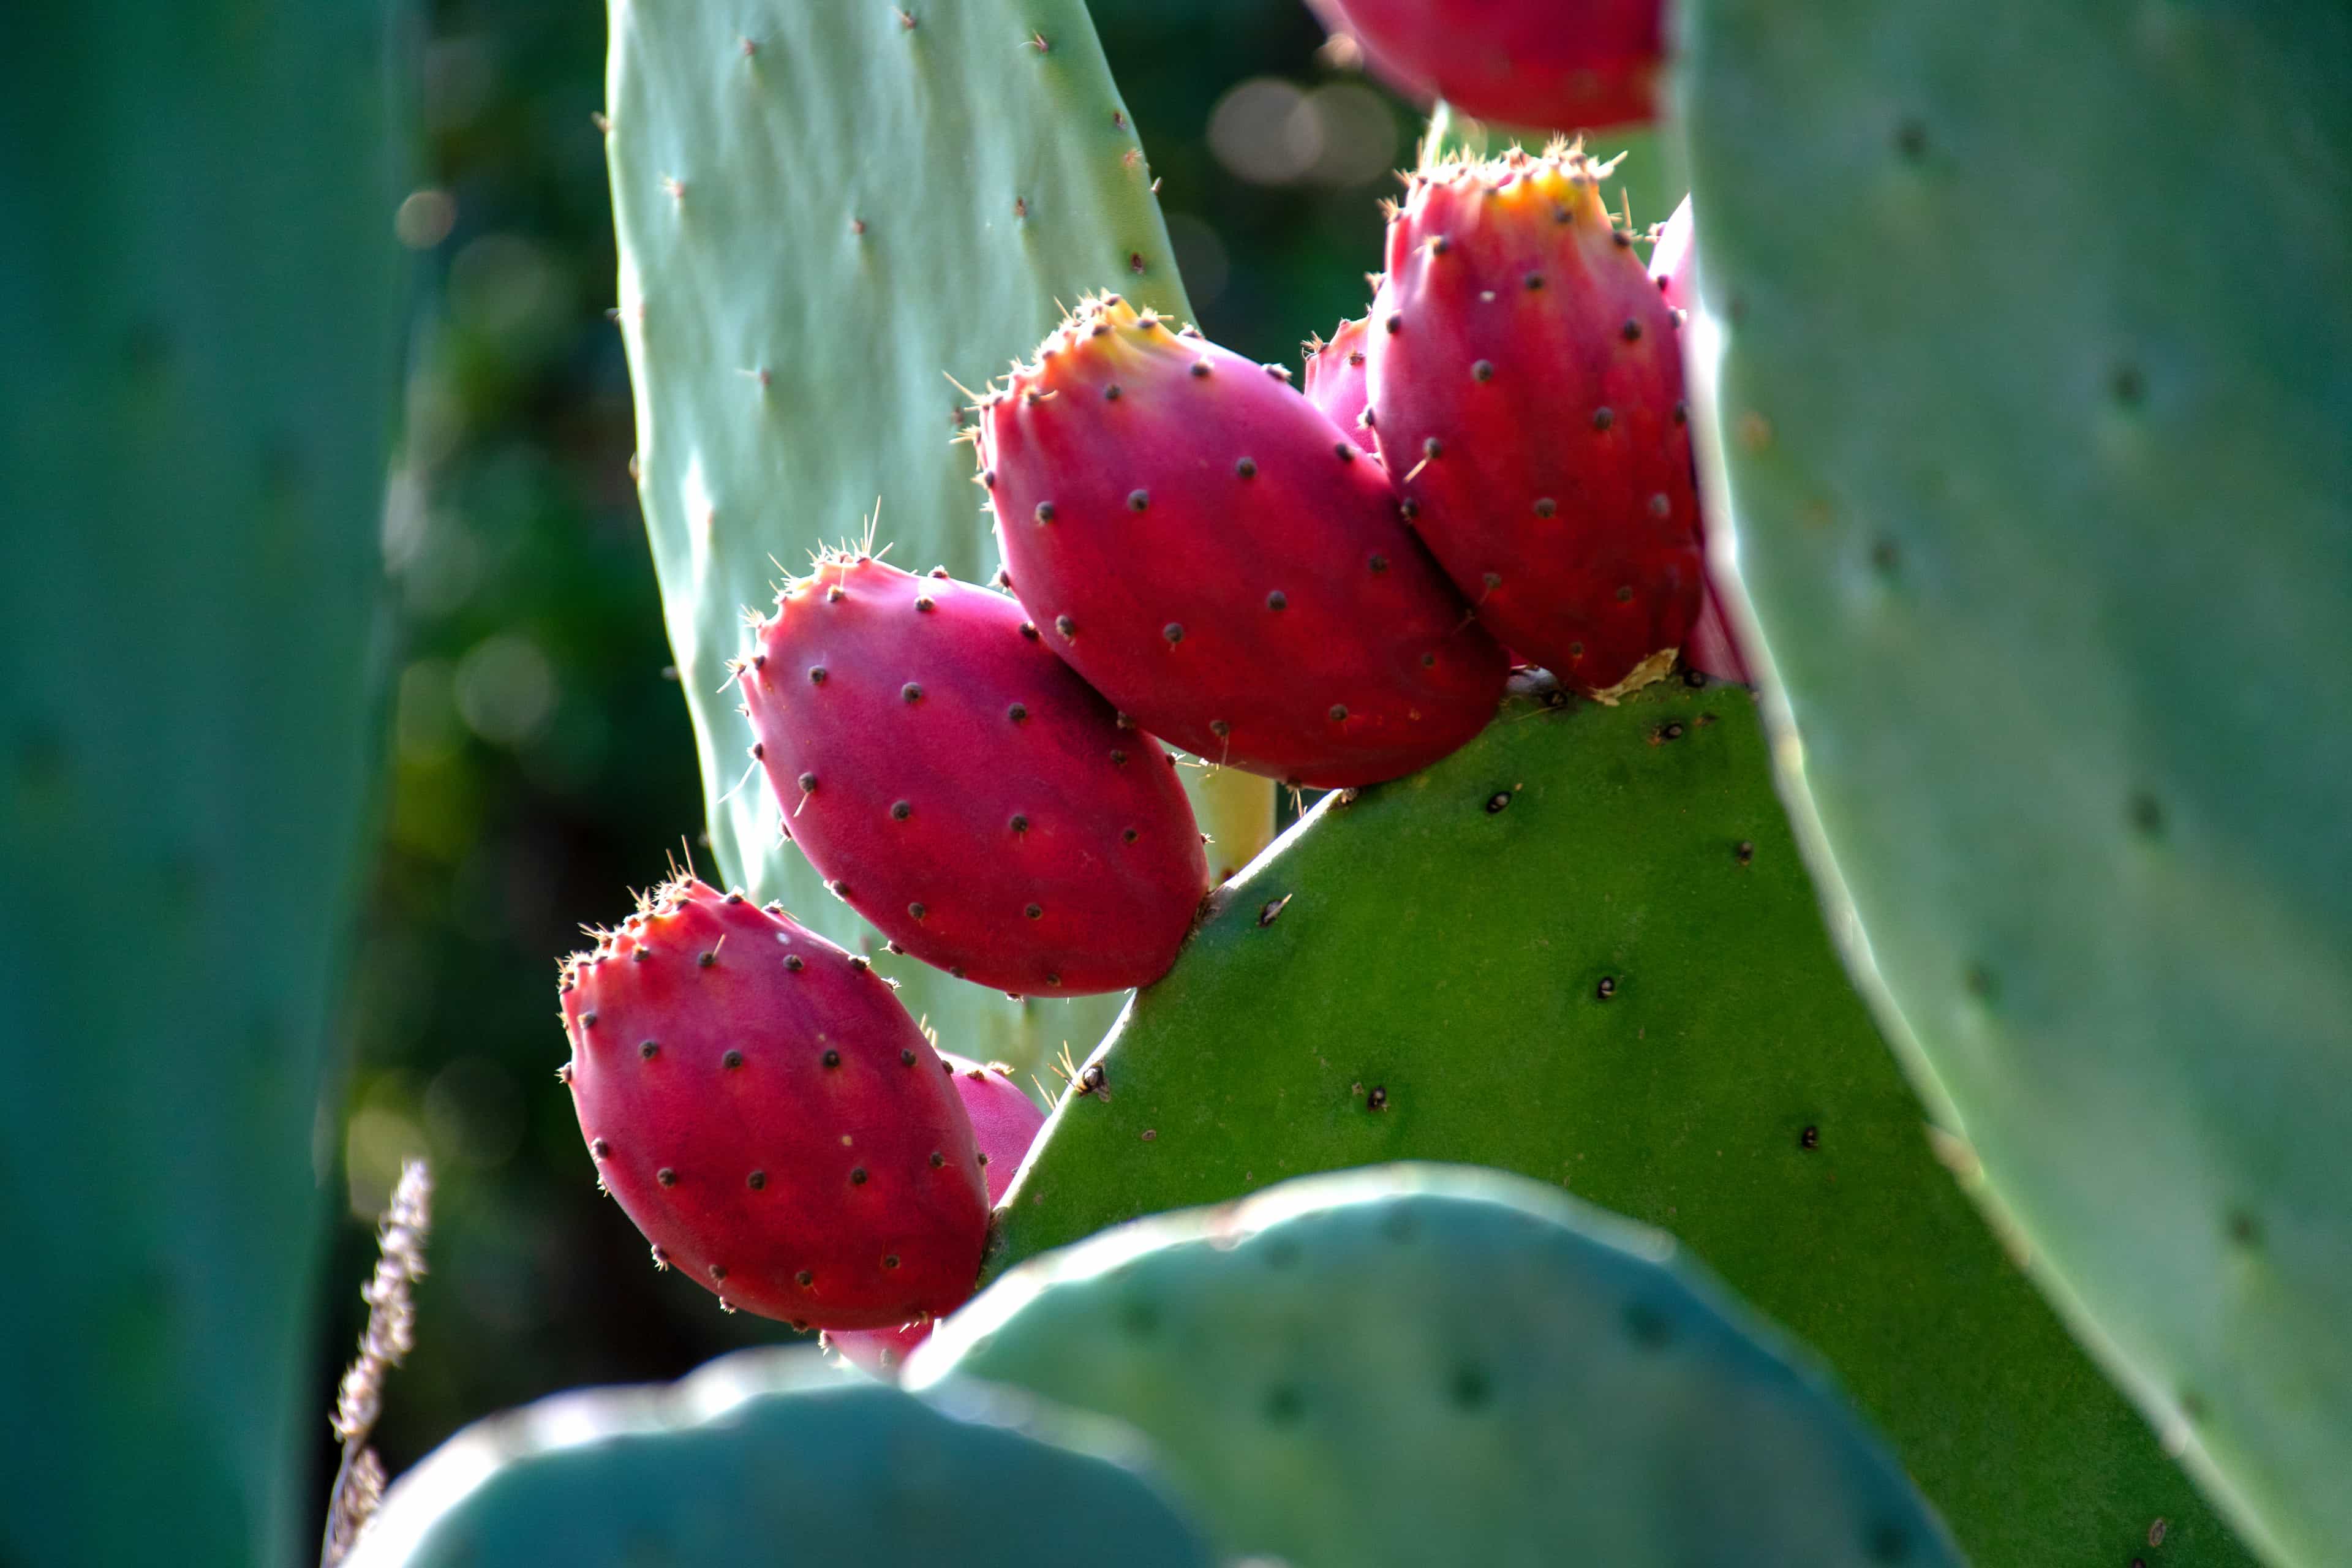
1527,391
2050,556
939,186
1714,643
771,1459
1005,1123
1583,948
1335,378
1416,1365
1217,558
958,785
1564,65
761,1106
193,427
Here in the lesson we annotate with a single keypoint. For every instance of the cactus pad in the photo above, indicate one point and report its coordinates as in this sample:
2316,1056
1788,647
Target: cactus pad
1583,948
1416,1365
770,1460
2044,501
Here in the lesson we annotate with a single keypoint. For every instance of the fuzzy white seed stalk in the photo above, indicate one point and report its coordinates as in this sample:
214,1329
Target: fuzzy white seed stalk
391,1331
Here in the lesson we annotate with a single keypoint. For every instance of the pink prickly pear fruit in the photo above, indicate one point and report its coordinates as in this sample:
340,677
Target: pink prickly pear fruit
1714,648
1005,1123
1560,65
764,1110
1528,395
959,787
1335,380
1218,559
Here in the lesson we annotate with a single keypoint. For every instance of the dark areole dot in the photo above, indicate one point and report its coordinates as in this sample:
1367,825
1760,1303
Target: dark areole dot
1339,712
792,962
1606,988
1602,419
907,1055
1035,911
1811,1138
1246,468
805,1278
756,1180
1483,370
1377,1098
1498,800
649,1049
732,1060
666,1176
1137,500
599,1148
1646,1326
808,783
1017,712
1045,511
832,1058
857,1175
1173,632
1378,563
1020,823
1029,630
938,1159
901,809
1127,835
1546,506
1277,600
1631,331
917,911
912,692
1063,624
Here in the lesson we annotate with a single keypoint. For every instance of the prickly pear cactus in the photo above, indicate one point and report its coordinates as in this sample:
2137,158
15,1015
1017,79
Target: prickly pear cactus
1416,1365
1583,948
193,442
770,1460
826,211
2044,500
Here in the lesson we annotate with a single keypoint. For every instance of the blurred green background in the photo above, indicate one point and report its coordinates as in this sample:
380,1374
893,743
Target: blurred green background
541,763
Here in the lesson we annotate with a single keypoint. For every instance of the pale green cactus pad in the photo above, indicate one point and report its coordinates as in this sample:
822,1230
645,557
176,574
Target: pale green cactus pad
1583,948
1418,1367
771,1459
202,367
2034,422
824,211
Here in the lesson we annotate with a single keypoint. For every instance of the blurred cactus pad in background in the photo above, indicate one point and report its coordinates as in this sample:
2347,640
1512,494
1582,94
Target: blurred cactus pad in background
1683,895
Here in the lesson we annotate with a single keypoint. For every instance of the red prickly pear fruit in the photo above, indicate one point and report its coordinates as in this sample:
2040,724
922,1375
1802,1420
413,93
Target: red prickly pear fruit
1219,559
959,787
1560,65
1335,380
770,1117
1529,396
1714,648
1005,1123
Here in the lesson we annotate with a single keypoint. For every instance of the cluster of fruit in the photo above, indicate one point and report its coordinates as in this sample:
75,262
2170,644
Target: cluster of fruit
1319,585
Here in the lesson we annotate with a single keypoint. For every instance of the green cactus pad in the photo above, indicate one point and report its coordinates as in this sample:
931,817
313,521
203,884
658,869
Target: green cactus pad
1417,1365
771,1459
824,211
2033,411
1583,948
202,369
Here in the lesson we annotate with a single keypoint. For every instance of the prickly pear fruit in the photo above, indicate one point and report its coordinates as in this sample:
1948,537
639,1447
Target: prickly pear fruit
1561,65
1714,646
1218,559
1335,379
770,1117
958,785
1527,396
1005,1123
